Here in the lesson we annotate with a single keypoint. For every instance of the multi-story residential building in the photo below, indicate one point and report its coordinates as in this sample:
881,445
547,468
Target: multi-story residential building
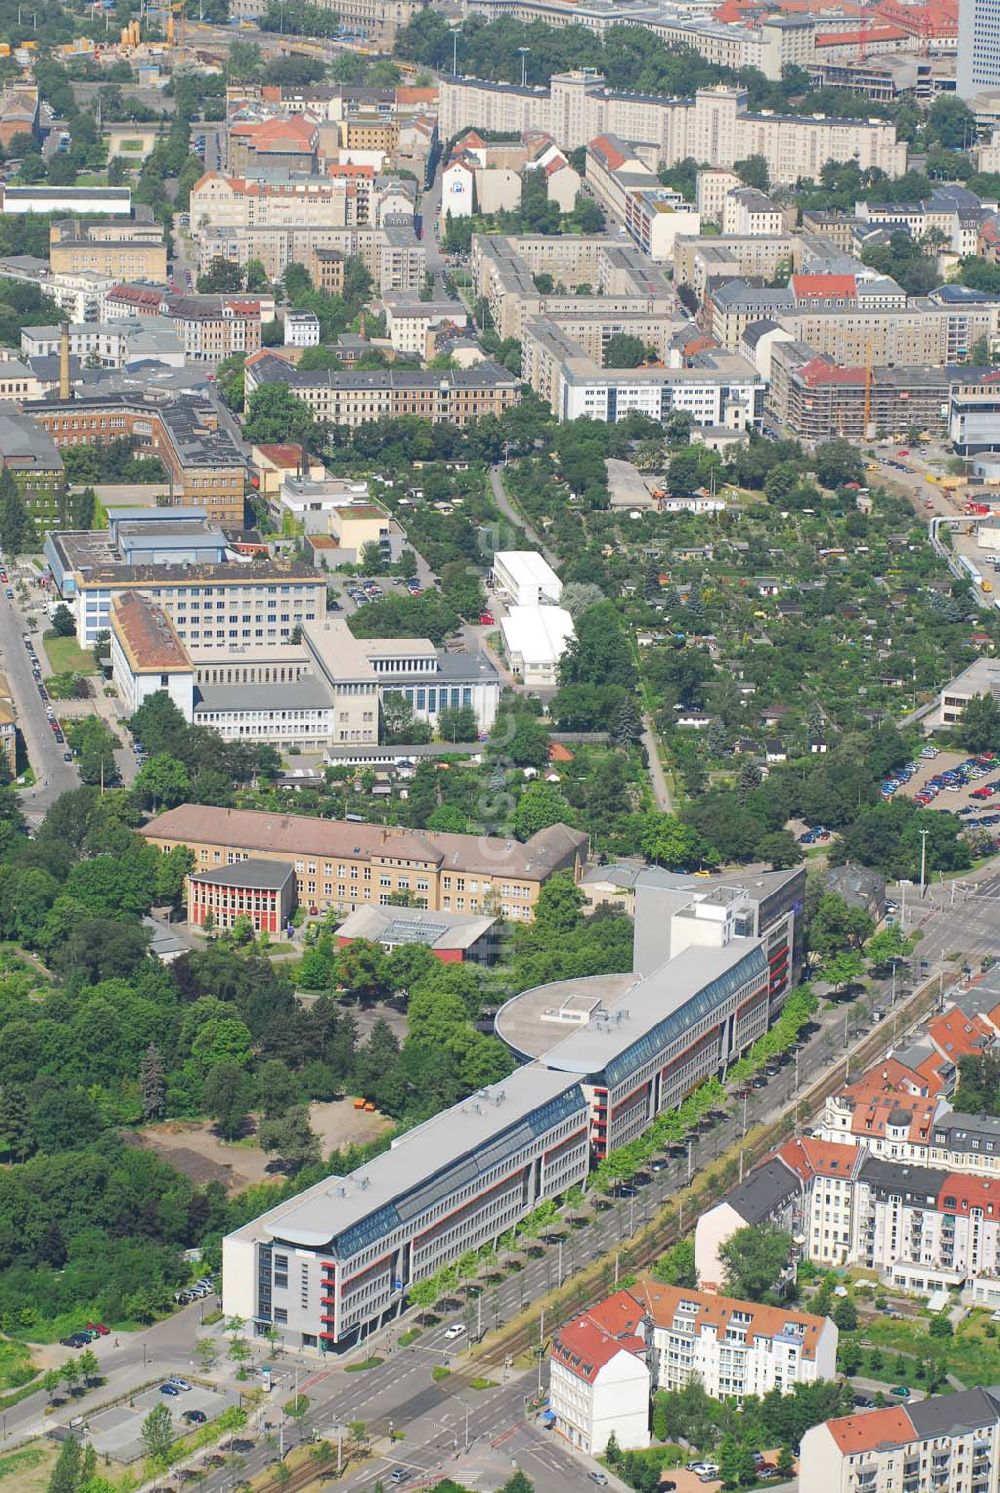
715,127
716,388
345,865
412,323
215,327
746,212
621,281
735,1348
376,20
973,407
733,256
393,255
817,399
204,467
124,251
599,1379
340,199
355,398
947,1442
280,142
109,344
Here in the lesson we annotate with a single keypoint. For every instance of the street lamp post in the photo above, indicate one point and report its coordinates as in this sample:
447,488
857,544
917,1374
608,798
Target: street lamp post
923,860
454,50
524,64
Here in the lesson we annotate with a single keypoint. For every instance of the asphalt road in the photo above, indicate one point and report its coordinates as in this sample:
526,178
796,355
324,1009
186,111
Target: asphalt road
53,776
509,512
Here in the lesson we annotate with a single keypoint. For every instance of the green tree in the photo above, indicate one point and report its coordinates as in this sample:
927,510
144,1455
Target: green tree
66,1474
979,728
88,1365
753,172
736,1464
838,461
668,841
844,969
540,805
227,1097
845,1315
162,782
156,1434
624,351
753,1259
63,622
291,1137
274,413
781,850
371,558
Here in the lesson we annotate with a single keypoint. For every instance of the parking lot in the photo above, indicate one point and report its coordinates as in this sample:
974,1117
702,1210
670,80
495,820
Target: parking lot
118,1431
980,812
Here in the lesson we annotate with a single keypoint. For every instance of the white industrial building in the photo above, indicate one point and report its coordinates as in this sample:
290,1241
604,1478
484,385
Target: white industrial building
523,578
535,639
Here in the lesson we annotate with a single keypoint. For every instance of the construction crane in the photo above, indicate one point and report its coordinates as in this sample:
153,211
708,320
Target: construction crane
863,34
175,28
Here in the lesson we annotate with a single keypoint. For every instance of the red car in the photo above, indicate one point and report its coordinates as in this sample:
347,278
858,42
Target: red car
902,453
486,619
99,1328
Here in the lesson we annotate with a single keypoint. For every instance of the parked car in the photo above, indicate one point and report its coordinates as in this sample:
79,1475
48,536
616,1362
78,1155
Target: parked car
863,1402
75,1340
169,1389
178,1382
599,1478
901,1392
99,1328
195,1417
398,1475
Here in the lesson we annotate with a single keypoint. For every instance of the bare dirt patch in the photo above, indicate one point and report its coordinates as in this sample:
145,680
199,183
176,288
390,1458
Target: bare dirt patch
194,1149
339,1124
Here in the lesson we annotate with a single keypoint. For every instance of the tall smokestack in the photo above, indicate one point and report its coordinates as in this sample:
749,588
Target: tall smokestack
362,323
64,390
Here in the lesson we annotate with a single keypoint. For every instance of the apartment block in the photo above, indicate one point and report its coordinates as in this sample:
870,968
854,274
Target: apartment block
716,388
735,1348
748,212
817,399
947,1442
212,328
393,255
356,398
715,127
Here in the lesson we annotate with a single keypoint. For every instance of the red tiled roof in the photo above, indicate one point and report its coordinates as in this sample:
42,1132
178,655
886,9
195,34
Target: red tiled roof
284,455
866,1433
585,1345
816,1158
958,1035
824,287
960,1192
612,155
820,370
854,38
661,1303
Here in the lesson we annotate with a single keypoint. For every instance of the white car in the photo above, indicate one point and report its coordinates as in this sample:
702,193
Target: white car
457,1329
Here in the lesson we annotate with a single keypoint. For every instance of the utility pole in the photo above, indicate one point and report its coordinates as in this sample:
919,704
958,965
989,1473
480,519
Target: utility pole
541,1339
923,860
690,1143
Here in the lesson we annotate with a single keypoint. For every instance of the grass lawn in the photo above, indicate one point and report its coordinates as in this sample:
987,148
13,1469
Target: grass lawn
66,656
28,1470
970,1355
16,1367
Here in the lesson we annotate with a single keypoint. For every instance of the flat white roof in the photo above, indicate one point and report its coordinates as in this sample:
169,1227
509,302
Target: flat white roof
539,635
527,567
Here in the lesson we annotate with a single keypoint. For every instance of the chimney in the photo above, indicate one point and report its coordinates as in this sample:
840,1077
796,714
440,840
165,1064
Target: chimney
362,323
64,390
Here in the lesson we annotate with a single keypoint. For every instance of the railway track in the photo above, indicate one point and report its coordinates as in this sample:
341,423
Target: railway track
635,1254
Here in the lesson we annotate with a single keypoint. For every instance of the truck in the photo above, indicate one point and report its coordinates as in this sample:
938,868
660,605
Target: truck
970,570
